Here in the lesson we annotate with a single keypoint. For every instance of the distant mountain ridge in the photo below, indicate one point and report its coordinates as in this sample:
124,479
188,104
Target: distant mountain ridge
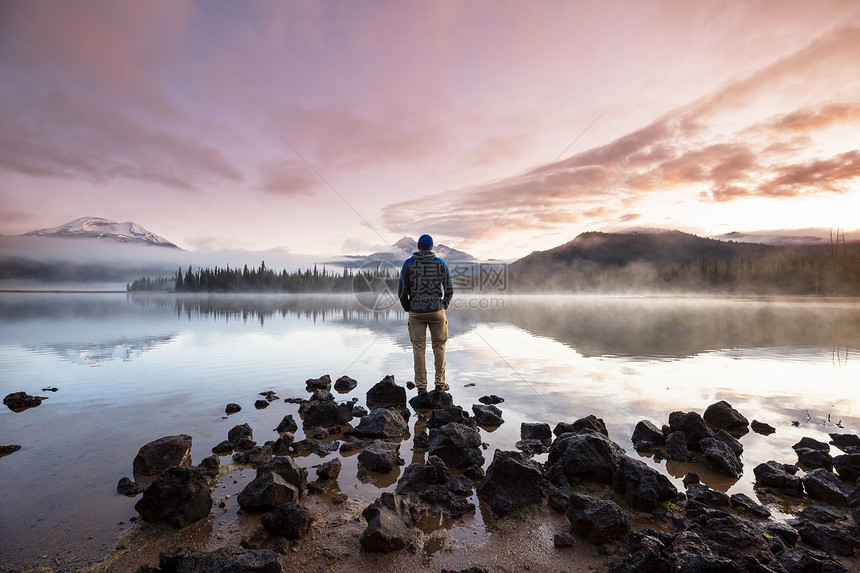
402,250
657,248
106,229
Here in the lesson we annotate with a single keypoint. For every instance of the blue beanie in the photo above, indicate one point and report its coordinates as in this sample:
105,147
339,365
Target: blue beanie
425,242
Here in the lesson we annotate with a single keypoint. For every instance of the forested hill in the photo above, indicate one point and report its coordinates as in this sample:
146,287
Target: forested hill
659,249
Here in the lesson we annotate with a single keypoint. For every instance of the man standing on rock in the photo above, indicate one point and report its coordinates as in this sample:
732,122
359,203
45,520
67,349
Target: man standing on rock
425,291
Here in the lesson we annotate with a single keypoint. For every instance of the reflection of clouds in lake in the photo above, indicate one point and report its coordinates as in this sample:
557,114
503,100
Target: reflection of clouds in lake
99,353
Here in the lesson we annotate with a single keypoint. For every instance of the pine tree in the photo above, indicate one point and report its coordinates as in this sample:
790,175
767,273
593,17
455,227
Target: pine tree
179,286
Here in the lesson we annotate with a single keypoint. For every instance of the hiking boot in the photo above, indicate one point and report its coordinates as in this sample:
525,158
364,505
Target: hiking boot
422,391
442,387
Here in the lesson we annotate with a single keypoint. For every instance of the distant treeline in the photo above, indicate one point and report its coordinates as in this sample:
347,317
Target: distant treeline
792,274
264,279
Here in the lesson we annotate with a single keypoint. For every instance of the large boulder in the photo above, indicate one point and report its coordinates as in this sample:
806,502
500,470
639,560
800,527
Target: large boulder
814,459
290,520
158,455
178,496
720,458
386,394
380,423
239,433
389,524
431,401
693,426
779,477
417,476
812,444
722,416
733,537
458,445
540,432
843,441
322,410
267,491
596,521
448,414
587,454
847,466
345,384
288,469
321,383
824,486
20,401
230,559
837,539
676,447
646,435
643,487
487,415
288,424
512,481
379,456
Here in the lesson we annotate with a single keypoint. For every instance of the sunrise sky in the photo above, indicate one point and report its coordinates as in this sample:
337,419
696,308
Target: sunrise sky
497,127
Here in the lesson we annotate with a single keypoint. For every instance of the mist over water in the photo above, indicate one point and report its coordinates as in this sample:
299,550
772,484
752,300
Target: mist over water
131,368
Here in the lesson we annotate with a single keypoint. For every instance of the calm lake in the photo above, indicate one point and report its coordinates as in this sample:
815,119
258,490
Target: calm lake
131,368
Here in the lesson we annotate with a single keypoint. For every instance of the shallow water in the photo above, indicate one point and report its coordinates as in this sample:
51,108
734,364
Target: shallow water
132,368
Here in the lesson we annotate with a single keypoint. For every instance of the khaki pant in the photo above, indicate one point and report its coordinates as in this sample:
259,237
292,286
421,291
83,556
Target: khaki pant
438,323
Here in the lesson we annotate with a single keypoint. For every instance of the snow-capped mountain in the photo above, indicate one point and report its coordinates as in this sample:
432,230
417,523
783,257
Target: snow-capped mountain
402,250
99,228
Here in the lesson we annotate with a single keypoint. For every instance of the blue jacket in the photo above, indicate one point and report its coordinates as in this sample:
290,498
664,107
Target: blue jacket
425,283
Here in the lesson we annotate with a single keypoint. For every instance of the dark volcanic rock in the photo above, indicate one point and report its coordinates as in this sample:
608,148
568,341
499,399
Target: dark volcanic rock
238,433
288,424
6,450
326,412
720,458
596,521
801,560
836,539
389,524
20,401
458,445
290,520
847,466
232,408
676,447
442,497
288,469
512,481
733,537
281,447
267,491
703,494
812,444
330,469
819,514
245,444
743,501
588,455
380,423
722,416
210,465
431,401
824,486
178,496
776,475
260,404
647,433
814,458
231,559
421,440
130,488
223,448
379,456
693,426
345,384
645,560
591,422
386,394
733,443
321,383
158,455
535,432
461,485
762,428
532,447
359,412
845,440
487,415
491,400
352,444
643,487
417,477
449,414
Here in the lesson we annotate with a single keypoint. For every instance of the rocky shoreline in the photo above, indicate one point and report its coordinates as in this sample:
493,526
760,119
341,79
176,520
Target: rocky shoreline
625,514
